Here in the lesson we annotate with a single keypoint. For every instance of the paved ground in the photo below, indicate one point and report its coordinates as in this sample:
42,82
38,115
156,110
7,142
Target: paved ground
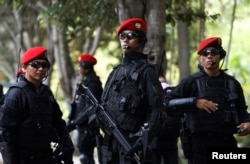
76,160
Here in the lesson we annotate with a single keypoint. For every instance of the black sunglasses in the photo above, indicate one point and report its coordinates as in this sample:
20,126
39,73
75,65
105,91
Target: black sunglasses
212,52
129,36
36,64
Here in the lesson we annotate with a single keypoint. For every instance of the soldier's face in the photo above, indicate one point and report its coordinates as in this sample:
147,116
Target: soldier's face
129,41
210,58
82,70
36,70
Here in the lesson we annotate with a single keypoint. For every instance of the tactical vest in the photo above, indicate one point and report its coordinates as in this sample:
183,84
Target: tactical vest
124,99
35,130
220,90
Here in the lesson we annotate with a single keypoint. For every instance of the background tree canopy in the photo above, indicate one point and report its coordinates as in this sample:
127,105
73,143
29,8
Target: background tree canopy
69,28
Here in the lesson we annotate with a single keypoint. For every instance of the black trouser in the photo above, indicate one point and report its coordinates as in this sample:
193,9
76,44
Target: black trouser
29,157
167,151
113,152
86,143
202,142
11,155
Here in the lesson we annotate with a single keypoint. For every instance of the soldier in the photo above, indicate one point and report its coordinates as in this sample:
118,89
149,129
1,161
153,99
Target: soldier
167,140
213,104
132,95
88,130
30,117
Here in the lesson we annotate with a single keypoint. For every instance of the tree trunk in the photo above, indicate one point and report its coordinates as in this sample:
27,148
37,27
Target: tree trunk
63,62
183,49
153,12
126,10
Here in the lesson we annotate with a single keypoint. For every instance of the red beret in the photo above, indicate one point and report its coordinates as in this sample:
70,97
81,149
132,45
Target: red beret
87,58
20,71
132,24
209,42
34,53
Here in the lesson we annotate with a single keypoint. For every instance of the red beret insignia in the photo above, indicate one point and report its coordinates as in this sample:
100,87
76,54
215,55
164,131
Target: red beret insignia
138,25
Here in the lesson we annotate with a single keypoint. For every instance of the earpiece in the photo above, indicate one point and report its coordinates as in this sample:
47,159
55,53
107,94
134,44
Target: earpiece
222,52
142,38
143,41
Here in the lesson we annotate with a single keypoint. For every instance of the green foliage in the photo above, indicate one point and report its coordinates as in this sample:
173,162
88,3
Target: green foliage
80,14
187,11
81,18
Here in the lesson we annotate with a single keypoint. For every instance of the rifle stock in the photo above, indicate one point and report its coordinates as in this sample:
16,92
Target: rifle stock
109,123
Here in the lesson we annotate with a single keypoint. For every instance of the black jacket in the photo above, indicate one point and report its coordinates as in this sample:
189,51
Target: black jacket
31,119
133,94
223,89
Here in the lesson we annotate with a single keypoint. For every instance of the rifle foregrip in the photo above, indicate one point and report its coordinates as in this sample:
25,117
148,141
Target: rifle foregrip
180,105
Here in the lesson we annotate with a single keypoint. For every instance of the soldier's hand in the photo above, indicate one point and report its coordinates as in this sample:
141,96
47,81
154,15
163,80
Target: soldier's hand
243,129
208,106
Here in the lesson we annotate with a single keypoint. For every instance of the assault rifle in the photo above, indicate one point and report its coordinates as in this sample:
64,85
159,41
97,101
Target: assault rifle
108,122
71,123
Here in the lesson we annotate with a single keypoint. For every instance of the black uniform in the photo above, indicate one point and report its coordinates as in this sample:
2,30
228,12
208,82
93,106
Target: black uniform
133,96
202,130
167,140
87,132
30,120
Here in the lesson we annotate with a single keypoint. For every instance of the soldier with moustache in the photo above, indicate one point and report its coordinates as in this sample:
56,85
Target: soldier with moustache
212,103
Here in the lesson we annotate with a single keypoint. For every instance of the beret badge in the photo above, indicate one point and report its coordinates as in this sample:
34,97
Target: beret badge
138,25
